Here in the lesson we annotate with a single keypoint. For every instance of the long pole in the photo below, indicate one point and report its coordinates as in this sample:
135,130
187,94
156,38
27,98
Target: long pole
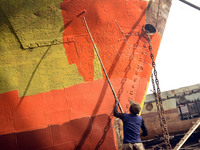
103,66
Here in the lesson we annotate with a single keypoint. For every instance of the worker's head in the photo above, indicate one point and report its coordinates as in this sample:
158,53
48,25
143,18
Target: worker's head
134,108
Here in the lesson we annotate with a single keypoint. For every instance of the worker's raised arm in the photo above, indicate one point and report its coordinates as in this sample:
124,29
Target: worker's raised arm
116,113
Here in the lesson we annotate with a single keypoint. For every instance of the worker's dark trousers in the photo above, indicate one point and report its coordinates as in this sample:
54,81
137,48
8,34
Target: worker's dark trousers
135,146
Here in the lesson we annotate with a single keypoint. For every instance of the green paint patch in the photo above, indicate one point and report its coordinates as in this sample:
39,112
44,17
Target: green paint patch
97,67
35,23
36,70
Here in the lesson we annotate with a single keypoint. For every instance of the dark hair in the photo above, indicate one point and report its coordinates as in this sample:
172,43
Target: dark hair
134,108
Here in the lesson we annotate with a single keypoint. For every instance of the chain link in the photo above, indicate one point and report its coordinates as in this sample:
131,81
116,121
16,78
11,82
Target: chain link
157,94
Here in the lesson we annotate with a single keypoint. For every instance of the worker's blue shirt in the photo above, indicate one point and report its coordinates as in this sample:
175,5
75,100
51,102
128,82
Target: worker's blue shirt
131,126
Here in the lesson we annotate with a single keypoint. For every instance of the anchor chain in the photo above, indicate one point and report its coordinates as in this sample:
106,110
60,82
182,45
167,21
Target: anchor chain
157,94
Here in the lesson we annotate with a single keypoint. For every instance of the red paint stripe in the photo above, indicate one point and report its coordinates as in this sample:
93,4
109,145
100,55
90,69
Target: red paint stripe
85,133
57,106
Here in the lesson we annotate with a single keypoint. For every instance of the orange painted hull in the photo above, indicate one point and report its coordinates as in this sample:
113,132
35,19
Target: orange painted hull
68,103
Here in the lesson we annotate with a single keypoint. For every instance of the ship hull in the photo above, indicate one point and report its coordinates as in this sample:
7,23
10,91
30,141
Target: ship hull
181,111
54,93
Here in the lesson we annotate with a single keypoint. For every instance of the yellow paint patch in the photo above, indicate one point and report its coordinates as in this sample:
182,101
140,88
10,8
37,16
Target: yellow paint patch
97,68
35,70
143,100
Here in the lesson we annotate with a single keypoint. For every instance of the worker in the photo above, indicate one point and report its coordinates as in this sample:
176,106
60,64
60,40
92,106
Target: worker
132,123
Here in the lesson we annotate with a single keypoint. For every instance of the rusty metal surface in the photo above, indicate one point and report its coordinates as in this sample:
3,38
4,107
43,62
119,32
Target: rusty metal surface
157,13
172,99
